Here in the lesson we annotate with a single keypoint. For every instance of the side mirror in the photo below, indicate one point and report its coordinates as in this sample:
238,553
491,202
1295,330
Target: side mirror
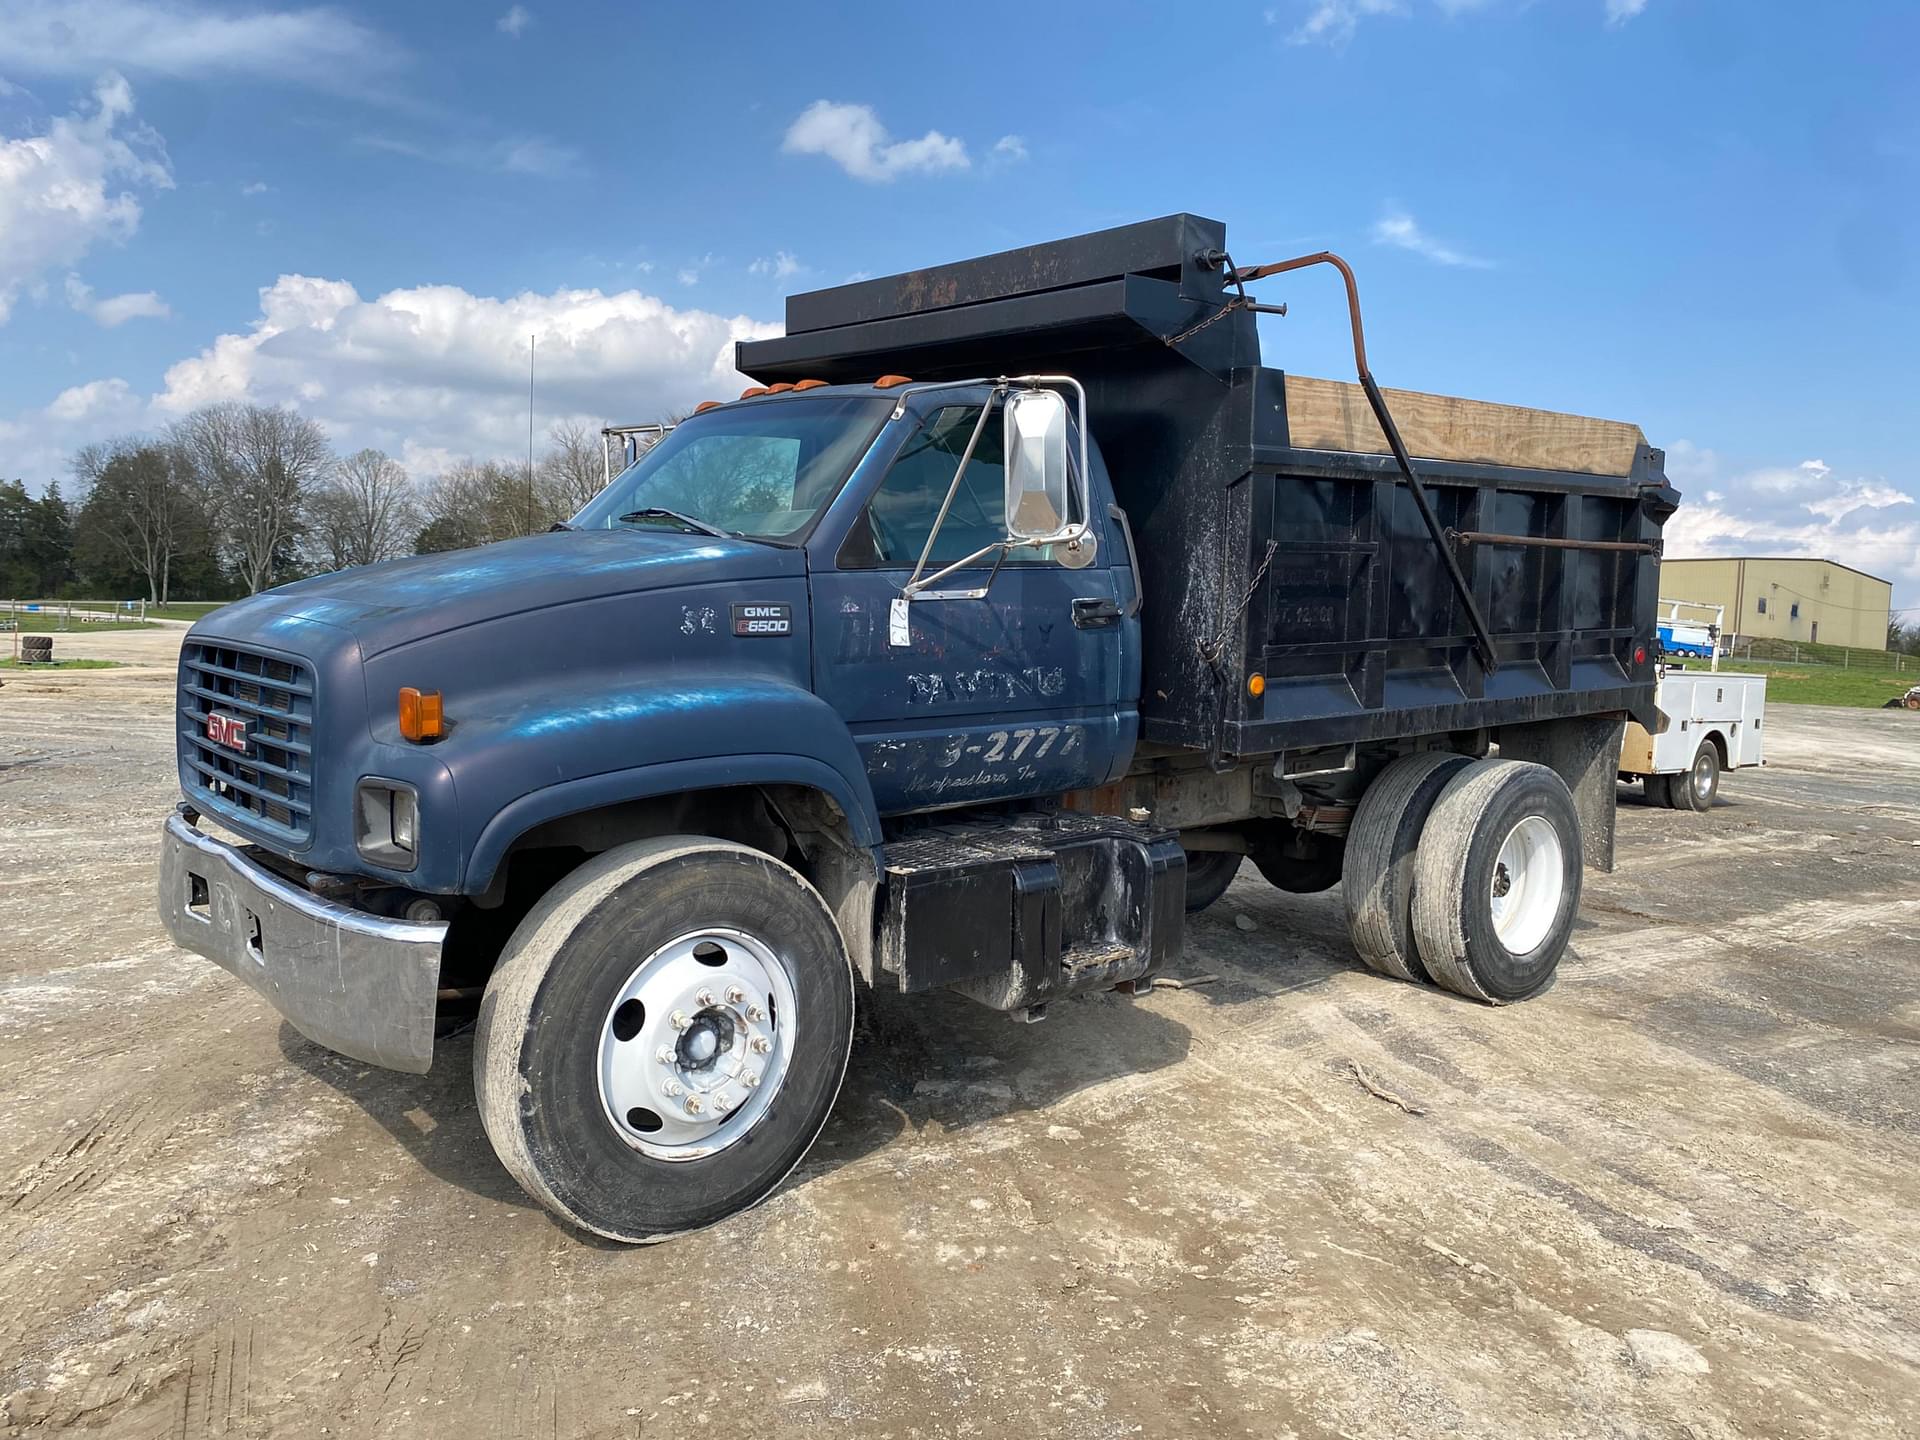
1039,475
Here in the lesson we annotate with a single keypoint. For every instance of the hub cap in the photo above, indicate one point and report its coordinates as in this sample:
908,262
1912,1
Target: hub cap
1703,777
1528,878
696,1044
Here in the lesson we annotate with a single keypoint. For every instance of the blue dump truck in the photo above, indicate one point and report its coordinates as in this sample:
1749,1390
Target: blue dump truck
989,633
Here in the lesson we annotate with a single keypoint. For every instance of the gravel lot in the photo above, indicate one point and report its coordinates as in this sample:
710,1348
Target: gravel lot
1678,1195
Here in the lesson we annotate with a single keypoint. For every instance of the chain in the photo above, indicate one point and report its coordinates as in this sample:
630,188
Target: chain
1236,303
1210,649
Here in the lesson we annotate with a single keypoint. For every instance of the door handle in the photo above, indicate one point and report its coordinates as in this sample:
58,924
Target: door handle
1094,612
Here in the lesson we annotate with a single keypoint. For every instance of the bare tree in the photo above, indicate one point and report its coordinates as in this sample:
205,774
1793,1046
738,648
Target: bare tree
477,503
573,470
257,466
364,513
140,499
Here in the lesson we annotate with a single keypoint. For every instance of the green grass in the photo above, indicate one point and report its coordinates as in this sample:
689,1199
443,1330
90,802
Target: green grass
8,663
185,609
59,625
1790,684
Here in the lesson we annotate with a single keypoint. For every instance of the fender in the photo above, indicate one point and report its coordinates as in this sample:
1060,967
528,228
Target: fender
701,734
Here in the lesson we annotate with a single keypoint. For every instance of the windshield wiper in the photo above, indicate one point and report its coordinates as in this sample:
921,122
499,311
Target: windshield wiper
660,512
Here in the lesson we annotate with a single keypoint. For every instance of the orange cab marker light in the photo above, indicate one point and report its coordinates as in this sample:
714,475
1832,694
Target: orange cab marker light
706,405
808,384
1256,685
779,389
421,718
887,382
753,390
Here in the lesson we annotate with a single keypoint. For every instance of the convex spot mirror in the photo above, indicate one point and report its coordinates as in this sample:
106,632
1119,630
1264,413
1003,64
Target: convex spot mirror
1039,475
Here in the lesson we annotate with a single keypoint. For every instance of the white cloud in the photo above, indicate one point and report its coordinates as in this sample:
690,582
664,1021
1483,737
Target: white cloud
1862,521
442,370
1400,230
687,275
255,187
1010,148
429,374
1788,480
96,400
63,192
115,309
782,266
1853,497
527,155
186,38
514,21
1332,22
854,139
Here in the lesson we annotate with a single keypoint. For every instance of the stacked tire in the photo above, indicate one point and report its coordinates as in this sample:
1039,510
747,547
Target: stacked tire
36,649
1464,873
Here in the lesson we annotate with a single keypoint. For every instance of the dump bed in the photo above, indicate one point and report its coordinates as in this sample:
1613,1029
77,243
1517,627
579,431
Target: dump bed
1276,533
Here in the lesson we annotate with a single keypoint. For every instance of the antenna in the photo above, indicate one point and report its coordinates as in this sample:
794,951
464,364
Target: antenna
529,434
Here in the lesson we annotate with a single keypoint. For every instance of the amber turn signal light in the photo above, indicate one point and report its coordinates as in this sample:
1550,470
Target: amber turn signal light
420,715
1256,685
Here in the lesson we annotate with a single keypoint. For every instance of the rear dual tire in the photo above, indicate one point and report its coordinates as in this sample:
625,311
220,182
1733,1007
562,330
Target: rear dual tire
1497,881
1464,873
664,1037
1695,788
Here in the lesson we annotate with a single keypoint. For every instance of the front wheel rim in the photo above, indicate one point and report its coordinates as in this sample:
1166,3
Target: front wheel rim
1529,877
696,1044
1703,777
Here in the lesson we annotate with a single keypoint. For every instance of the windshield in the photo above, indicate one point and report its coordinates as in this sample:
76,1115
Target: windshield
762,471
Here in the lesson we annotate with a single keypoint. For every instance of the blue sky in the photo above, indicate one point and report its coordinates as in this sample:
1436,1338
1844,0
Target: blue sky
1699,217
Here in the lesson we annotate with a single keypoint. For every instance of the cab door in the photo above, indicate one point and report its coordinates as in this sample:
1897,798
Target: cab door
1028,691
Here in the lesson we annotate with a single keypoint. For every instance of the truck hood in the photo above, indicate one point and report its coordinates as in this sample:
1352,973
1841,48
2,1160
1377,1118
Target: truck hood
392,604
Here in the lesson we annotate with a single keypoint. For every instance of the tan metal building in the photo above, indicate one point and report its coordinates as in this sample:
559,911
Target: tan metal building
1771,598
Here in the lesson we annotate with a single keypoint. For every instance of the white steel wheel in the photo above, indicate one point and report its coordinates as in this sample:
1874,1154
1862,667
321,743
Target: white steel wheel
1497,880
664,1036
1524,892
692,1051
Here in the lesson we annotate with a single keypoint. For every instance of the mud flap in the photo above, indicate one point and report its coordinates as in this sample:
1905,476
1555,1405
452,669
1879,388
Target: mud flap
1585,752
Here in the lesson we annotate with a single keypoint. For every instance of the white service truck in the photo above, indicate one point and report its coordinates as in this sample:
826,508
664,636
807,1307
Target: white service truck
1712,723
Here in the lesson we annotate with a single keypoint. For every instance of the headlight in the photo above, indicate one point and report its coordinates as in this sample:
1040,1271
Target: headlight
387,823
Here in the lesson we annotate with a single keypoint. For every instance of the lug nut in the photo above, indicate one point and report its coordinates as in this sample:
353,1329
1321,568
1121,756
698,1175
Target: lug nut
663,1055
674,1087
703,999
679,1020
735,994
751,1080
693,1104
756,1014
761,1045
722,1103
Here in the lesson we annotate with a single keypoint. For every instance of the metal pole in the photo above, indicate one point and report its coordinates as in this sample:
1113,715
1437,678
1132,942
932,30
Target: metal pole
529,434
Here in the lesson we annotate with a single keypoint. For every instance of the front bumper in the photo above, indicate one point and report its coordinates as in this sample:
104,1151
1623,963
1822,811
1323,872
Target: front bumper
360,984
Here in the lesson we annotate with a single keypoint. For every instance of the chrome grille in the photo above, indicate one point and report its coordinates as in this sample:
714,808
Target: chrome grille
272,780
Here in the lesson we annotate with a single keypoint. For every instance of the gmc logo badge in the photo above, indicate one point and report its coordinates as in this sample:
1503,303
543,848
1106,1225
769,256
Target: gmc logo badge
762,619
226,730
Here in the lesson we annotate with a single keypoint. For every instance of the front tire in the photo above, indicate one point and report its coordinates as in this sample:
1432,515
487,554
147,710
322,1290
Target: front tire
1209,873
664,1036
1497,880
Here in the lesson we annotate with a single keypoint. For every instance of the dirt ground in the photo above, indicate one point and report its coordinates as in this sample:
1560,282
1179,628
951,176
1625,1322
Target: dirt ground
1678,1195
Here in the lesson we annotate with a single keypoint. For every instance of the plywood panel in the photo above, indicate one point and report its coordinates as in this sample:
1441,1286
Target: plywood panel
1334,415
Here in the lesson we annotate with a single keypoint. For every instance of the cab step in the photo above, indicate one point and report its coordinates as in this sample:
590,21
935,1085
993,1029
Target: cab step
1016,914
